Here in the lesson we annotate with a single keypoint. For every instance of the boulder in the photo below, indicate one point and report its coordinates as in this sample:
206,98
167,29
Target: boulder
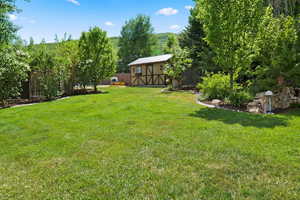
255,107
281,100
216,102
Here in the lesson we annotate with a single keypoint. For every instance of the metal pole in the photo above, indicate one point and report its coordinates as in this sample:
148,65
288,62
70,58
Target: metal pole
270,104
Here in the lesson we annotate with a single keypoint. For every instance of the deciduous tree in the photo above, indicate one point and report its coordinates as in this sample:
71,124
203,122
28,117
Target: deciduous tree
178,64
172,44
230,28
67,56
137,40
96,56
43,61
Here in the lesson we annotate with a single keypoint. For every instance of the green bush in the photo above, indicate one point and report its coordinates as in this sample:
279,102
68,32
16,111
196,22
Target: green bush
264,84
13,71
215,86
239,98
295,105
50,86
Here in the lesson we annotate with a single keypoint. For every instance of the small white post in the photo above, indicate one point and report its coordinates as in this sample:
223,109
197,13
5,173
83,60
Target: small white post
269,95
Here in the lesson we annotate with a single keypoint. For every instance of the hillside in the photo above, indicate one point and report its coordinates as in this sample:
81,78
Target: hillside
162,39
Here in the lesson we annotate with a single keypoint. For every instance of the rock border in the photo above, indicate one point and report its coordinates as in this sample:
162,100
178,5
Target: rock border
216,107
31,104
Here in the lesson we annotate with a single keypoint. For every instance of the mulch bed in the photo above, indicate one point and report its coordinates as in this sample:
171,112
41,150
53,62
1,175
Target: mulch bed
244,108
16,102
228,106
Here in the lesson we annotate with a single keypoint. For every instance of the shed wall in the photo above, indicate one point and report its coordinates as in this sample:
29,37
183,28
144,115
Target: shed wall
152,74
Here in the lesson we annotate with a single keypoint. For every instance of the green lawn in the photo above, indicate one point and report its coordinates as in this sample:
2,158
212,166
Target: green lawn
136,143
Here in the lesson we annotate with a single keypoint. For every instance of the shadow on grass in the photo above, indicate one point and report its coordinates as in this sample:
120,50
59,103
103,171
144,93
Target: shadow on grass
291,112
244,119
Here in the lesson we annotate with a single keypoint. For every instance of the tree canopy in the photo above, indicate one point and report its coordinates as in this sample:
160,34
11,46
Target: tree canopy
13,70
255,42
172,43
137,40
97,59
230,28
7,28
178,64
193,38
13,61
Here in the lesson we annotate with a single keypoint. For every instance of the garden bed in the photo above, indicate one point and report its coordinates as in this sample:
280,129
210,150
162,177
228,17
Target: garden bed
20,102
224,106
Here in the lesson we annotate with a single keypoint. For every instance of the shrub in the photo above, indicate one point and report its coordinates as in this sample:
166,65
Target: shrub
239,98
215,86
295,105
50,86
264,84
13,70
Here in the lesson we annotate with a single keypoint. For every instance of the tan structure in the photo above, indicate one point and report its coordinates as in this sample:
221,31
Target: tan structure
149,71
281,100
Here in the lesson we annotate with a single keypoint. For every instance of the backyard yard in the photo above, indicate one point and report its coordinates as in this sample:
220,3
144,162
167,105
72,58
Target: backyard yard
137,143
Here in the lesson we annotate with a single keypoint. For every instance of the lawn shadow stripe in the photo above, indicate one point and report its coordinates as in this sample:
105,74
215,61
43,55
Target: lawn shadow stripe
244,119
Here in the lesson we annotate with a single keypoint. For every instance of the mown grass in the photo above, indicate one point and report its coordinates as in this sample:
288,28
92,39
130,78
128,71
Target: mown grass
136,143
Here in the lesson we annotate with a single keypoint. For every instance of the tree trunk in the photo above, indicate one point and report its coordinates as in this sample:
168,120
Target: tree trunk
95,87
3,103
175,84
231,79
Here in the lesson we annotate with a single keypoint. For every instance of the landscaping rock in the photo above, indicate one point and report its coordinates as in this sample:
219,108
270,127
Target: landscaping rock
166,90
280,100
216,102
254,107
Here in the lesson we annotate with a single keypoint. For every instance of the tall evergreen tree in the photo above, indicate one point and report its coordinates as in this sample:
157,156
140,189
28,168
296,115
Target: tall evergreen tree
193,38
286,7
137,40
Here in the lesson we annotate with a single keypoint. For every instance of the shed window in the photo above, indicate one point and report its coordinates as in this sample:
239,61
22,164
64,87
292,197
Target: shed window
138,70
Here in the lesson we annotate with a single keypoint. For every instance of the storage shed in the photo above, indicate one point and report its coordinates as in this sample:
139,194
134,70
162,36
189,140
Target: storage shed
149,71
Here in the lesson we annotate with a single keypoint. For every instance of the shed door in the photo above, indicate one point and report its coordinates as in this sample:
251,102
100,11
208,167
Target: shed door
149,75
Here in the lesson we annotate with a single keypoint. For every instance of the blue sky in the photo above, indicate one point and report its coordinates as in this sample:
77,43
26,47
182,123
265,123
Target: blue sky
45,18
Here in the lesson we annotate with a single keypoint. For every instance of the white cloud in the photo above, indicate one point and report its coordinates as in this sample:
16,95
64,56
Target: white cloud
108,23
74,2
167,11
32,21
28,20
188,7
12,17
174,27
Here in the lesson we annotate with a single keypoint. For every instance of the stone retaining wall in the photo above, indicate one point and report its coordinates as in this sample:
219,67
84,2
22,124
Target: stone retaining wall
280,100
